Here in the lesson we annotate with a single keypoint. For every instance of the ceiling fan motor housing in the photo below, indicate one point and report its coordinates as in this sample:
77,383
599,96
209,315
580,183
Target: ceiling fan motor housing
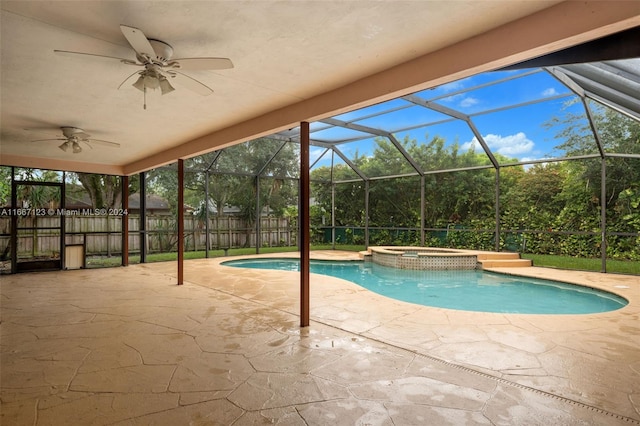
162,50
70,132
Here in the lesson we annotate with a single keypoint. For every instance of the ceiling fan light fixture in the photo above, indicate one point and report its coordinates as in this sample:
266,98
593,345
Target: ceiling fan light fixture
76,147
64,146
139,84
151,81
165,86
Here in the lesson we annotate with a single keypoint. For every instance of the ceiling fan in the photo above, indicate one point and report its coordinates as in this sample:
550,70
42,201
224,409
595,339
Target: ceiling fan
72,138
159,67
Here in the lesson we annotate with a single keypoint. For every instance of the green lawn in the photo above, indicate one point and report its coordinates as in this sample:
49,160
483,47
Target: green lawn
582,264
100,262
561,262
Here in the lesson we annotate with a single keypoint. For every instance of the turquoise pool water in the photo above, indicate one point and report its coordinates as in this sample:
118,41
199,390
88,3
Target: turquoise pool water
464,290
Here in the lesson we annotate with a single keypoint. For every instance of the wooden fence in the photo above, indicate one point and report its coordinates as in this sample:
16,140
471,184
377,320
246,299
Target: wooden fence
102,234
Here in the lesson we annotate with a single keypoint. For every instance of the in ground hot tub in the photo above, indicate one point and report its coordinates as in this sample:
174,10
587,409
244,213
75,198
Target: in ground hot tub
424,258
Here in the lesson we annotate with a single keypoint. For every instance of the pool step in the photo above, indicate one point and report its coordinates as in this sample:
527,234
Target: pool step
365,255
488,255
502,260
505,263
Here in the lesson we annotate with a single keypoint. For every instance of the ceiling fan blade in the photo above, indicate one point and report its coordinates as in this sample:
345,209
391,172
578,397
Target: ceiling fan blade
138,41
191,83
101,142
197,64
45,130
49,140
69,53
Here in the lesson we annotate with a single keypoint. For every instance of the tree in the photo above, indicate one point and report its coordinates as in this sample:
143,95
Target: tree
617,133
349,196
5,186
395,202
234,176
533,199
265,161
581,192
460,195
104,191
34,196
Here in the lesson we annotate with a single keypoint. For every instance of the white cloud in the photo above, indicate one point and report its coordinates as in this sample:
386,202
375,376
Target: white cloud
450,98
523,159
549,92
461,100
453,86
468,101
510,146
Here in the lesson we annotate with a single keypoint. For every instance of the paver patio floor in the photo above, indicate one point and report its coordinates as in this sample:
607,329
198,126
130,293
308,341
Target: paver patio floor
127,346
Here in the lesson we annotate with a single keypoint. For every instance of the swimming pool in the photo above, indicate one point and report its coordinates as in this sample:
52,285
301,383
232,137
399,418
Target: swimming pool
469,290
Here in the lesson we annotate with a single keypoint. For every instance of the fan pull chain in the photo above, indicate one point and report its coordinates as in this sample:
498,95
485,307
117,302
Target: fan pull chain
145,97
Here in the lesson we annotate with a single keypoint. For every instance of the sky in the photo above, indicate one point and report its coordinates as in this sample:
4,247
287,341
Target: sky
518,133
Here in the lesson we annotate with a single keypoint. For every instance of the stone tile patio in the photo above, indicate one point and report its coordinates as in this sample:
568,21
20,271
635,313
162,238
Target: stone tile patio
126,346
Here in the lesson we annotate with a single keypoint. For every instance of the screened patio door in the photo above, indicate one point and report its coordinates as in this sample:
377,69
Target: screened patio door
38,226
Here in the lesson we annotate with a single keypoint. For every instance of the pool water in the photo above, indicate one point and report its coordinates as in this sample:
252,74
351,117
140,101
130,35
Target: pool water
469,290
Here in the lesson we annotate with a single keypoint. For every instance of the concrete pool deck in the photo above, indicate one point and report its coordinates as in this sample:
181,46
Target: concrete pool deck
127,346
